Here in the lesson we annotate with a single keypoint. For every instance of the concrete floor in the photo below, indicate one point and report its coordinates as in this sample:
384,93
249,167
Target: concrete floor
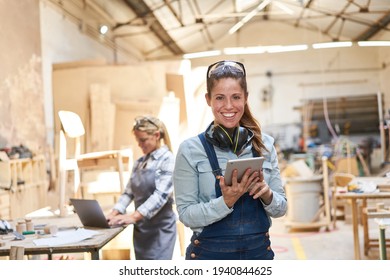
316,244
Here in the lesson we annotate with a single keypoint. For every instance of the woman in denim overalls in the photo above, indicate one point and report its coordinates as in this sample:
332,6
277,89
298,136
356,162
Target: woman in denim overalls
228,222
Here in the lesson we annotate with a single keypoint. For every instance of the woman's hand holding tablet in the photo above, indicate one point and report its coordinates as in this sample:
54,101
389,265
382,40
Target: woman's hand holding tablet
242,165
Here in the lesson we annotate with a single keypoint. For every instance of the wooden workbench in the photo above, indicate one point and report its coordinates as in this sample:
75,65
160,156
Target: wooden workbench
91,245
382,184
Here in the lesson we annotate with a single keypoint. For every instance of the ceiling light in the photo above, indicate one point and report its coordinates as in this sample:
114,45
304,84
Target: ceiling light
281,48
283,8
249,16
244,50
103,29
291,48
374,43
332,45
201,54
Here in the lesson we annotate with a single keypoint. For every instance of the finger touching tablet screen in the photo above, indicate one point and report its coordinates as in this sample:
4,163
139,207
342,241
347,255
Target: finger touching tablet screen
242,165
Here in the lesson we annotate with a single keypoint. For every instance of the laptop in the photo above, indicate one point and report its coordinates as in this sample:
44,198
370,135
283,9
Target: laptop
90,213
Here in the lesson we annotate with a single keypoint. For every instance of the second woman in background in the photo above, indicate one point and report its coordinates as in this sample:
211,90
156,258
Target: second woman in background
150,187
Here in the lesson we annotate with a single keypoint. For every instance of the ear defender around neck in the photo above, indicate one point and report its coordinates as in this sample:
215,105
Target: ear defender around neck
235,141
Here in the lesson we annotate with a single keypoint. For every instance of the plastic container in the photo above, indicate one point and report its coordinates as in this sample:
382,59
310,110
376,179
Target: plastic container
303,198
21,227
29,225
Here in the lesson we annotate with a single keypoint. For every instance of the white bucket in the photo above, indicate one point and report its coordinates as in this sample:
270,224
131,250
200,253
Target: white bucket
303,198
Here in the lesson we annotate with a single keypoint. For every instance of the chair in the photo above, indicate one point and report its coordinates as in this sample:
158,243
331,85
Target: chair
72,127
340,184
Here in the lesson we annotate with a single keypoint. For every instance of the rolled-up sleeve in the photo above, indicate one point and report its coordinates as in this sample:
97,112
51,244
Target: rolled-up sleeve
195,197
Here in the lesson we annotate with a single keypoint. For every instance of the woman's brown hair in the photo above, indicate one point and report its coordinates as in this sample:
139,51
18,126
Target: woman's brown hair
236,70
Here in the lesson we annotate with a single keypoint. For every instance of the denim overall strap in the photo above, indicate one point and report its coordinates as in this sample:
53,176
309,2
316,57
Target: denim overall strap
248,217
213,162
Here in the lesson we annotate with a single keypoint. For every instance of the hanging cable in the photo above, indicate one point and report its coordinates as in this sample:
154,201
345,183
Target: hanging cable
326,116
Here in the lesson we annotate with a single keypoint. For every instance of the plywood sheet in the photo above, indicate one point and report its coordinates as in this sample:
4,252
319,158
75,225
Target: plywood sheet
175,83
102,118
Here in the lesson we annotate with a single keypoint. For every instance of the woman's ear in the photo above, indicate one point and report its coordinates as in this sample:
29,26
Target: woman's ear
207,96
158,134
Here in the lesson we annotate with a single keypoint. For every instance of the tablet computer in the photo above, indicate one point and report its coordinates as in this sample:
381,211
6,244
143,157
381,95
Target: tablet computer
242,165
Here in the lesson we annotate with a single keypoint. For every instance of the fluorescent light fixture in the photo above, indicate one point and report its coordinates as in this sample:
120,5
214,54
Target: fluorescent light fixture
332,45
201,54
249,16
103,29
244,50
237,26
263,49
281,48
374,43
291,48
283,8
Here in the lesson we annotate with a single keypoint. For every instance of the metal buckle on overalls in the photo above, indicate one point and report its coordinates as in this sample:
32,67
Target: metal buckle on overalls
217,172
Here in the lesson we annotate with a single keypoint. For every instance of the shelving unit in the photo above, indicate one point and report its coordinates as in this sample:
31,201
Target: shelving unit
23,186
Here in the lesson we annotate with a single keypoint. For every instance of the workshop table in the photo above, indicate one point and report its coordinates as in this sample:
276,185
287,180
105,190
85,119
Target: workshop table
91,245
354,197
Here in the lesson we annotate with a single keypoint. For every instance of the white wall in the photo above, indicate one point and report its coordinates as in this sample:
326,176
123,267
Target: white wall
384,60
62,41
22,121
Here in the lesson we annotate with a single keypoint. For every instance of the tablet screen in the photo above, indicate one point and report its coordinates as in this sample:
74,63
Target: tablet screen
242,165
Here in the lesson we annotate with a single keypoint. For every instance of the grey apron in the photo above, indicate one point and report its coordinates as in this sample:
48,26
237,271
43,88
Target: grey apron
154,239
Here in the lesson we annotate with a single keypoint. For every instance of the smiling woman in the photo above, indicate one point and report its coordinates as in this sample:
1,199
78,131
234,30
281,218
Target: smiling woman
228,221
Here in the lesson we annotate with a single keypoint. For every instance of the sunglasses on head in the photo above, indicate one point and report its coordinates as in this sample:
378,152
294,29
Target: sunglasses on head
238,65
140,122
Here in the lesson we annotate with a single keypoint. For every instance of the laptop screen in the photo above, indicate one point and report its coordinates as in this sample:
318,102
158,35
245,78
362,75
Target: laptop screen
90,213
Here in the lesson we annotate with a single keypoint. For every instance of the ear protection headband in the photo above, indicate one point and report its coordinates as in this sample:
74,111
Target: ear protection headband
222,139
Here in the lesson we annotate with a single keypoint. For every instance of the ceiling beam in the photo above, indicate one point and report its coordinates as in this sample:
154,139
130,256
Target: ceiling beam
178,18
374,29
141,9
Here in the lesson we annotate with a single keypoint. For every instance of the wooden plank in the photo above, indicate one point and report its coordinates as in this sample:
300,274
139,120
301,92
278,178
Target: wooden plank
102,118
175,83
383,188
78,64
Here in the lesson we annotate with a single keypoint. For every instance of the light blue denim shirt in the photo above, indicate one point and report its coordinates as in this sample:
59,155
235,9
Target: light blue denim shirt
194,183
